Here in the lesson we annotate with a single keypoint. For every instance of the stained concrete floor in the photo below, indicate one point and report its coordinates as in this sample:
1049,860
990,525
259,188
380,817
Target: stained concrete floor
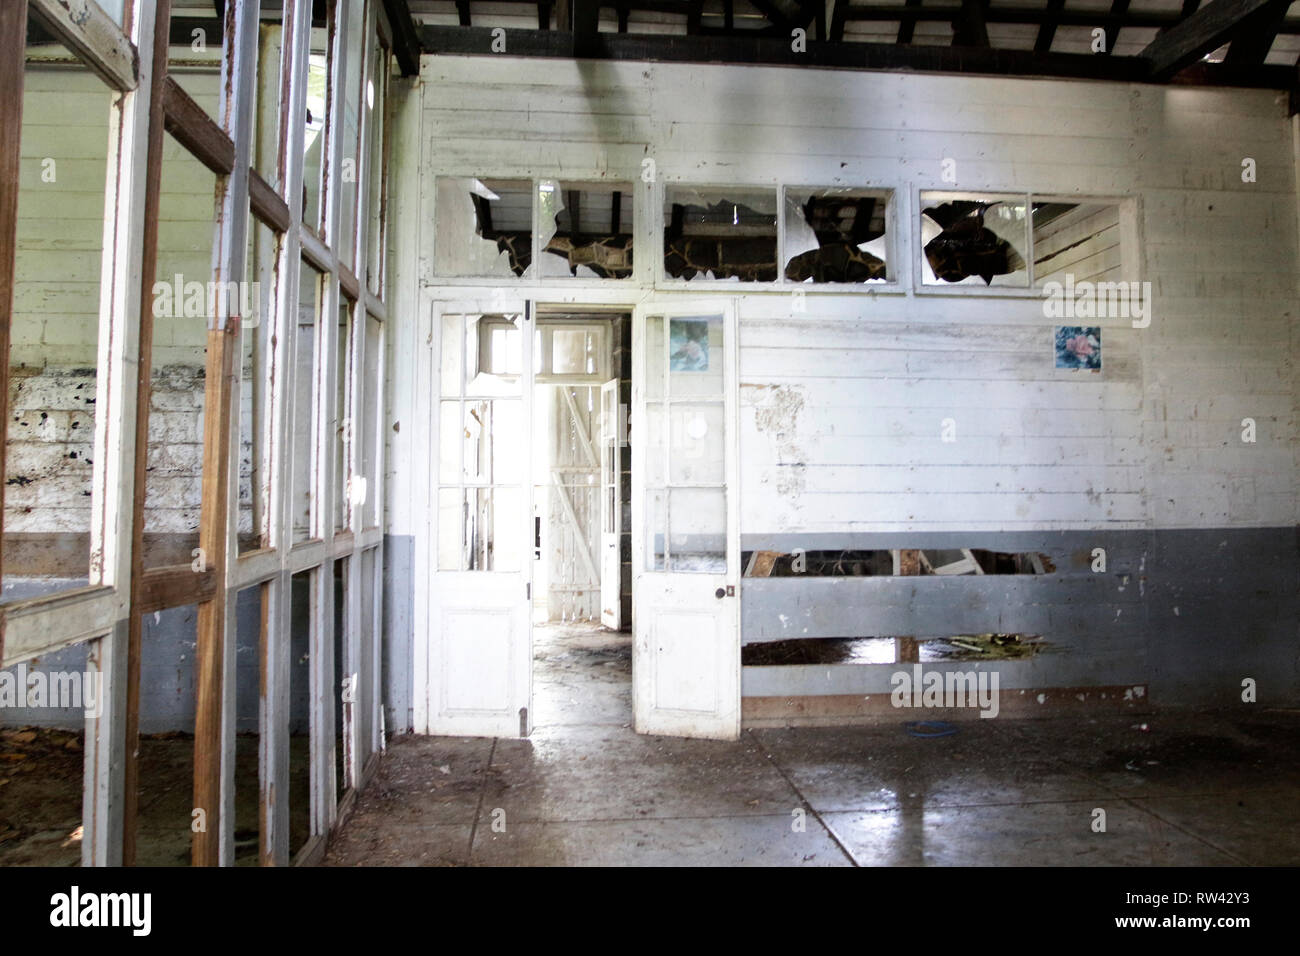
1189,790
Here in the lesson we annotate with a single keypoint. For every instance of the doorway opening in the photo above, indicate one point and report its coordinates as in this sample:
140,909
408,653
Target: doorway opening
582,529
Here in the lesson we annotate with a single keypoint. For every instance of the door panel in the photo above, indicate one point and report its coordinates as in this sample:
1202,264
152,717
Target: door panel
480,560
611,509
686,647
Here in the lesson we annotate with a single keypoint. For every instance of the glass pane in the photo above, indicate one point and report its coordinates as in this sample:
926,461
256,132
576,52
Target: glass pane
376,203
697,535
479,529
974,239
1076,239
342,428
695,356
494,434
698,444
656,444
451,434
720,233
256,332
654,357
586,229
483,227
835,235
494,354
453,353
451,529
304,403
54,333
350,131
183,307
573,352
313,144
656,518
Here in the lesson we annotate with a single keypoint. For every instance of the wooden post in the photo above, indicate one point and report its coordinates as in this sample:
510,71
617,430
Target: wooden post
148,271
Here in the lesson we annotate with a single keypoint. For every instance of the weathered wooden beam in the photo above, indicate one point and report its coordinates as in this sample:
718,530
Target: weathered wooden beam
266,202
1207,29
970,28
91,34
586,24
176,585
406,41
1118,9
1253,40
144,392
196,130
906,23
857,56
220,381
1047,30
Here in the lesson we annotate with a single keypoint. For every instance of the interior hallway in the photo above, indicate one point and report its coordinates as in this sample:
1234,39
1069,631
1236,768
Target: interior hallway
1189,790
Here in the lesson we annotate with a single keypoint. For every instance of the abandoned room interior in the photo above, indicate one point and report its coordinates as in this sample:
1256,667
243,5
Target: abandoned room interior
570,431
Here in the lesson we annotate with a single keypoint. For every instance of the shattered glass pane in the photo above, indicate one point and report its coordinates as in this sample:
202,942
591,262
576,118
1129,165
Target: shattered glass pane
974,239
586,229
836,235
484,227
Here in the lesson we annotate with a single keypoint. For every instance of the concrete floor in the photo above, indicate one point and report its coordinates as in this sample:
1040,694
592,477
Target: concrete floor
1189,790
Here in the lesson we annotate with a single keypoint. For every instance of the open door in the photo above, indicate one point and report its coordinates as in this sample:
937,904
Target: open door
611,511
685,509
479,666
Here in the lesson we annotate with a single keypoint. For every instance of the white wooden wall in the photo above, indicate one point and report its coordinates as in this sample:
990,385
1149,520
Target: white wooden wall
843,404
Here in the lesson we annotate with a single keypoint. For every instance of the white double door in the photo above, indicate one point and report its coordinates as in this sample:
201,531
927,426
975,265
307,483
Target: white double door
473,620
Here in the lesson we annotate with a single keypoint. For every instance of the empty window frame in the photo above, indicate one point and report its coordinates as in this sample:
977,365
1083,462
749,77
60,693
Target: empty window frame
720,233
370,427
585,229
257,362
836,235
314,145
1075,240
271,95
377,166
184,305
349,130
342,430
306,392
53,361
483,227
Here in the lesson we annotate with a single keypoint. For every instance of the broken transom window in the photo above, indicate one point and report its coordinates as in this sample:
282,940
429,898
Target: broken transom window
836,235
